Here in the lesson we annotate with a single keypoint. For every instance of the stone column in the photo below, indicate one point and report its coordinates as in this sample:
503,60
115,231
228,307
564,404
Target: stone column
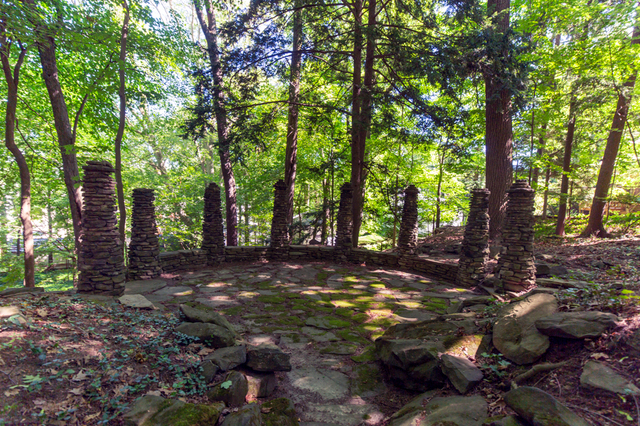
144,248
408,235
212,225
102,270
475,245
343,241
516,268
279,245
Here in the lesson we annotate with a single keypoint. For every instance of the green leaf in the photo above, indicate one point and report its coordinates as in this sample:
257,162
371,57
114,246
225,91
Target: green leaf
226,385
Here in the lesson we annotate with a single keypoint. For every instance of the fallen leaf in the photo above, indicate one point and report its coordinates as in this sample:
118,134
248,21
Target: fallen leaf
205,351
11,392
2,361
41,312
91,416
39,401
599,355
80,377
154,393
76,391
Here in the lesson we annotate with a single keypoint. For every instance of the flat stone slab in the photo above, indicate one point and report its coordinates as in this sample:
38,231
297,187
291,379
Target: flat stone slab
340,415
319,335
596,375
340,349
329,385
136,301
413,315
217,301
174,291
9,311
327,323
143,286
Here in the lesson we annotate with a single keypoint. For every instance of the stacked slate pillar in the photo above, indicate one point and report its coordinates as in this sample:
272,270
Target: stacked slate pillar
212,225
344,232
102,268
408,236
144,248
516,268
475,245
279,245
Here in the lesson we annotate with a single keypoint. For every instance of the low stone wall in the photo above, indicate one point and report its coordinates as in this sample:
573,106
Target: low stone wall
188,259
172,261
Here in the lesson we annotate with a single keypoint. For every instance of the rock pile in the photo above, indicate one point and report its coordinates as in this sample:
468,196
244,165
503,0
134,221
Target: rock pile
144,248
345,220
408,235
102,268
516,267
279,245
475,245
212,225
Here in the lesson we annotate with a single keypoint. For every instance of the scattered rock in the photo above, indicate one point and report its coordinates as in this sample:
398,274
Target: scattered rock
340,349
151,410
596,375
462,373
576,325
504,421
211,334
9,311
268,357
202,313
541,409
558,270
515,334
209,370
233,390
406,353
261,385
249,415
341,415
136,301
542,269
633,341
228,358
450,411
279,412
143,286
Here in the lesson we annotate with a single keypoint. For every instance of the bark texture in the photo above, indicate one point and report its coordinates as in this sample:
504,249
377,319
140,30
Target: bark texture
566,167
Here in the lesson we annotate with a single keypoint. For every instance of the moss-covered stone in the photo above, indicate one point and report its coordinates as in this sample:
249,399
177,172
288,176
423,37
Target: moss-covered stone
270,299
182,414
279,412
368,355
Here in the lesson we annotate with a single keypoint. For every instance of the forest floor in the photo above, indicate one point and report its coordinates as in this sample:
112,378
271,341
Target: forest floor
81,360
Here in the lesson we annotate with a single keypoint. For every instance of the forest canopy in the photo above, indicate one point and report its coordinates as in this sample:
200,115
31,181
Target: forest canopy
446,95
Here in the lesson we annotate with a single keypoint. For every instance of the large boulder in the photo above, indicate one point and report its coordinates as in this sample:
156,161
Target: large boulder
151,410
514,332
450,411
268,357
576,325
228,358
462,373
280,412
212,335
261,385
411,363
596,375
249,415
541,409
232,391
202,313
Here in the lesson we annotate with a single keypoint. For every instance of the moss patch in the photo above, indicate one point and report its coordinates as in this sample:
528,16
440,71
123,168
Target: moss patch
178,414
271,299
368,355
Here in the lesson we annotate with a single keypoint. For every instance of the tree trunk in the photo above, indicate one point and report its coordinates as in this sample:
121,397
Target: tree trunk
290,160
325,211
12,78
439,189
539,154
49,226
210,31
595,226
566,167
356,122
66,136
545,201
498,131
121,124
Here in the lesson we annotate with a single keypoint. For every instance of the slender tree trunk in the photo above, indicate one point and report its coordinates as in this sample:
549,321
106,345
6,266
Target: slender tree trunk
356,122
595,226
499,169
12,78
539,154
121,124
545,201
439,189
65,133
210,31
290,160
325,211
566,167
49,226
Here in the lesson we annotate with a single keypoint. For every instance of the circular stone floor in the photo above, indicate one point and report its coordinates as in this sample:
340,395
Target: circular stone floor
325,316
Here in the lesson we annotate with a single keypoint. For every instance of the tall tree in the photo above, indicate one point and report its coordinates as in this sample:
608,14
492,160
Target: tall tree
210,30
595,226
121,122
498,128
290,161
12,77
566,166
